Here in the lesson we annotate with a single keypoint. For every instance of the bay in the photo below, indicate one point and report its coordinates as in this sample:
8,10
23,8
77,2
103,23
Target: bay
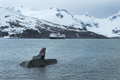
78,59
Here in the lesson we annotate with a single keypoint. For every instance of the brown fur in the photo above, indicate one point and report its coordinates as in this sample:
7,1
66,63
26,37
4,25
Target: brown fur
42,51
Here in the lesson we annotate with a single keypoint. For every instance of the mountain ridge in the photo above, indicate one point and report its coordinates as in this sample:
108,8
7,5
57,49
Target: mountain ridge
79,21
16,20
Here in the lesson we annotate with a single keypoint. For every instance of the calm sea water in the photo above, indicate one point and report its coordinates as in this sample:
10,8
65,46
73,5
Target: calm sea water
78,59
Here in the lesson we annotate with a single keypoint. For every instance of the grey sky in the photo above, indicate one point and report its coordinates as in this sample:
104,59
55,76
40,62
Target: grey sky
97,8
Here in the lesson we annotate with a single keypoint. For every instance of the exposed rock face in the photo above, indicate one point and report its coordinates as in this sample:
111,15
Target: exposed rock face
38,63
30,33
2,34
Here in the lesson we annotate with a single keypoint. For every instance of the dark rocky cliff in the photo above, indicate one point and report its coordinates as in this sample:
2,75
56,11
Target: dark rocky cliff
30,33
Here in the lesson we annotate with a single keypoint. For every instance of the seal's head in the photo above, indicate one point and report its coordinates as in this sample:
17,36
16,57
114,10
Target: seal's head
43,50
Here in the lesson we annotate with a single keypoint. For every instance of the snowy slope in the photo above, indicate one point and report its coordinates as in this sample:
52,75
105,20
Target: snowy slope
25,18
55,15
107,26
15,23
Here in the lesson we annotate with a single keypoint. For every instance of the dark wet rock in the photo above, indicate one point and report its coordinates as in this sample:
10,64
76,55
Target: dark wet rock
2,34
38,63
30,33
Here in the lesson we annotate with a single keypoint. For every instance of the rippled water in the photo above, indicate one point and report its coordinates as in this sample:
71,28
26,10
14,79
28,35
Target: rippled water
78,59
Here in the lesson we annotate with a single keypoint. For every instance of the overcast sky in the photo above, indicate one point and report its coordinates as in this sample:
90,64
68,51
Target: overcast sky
97,8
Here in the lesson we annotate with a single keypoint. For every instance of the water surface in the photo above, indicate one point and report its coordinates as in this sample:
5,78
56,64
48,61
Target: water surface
78,59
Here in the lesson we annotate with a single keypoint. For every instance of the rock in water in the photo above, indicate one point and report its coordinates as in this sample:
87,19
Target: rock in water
38,63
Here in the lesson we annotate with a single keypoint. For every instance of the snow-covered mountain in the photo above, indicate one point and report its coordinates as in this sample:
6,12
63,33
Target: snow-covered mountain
109,27
17,20
55,15
15,24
